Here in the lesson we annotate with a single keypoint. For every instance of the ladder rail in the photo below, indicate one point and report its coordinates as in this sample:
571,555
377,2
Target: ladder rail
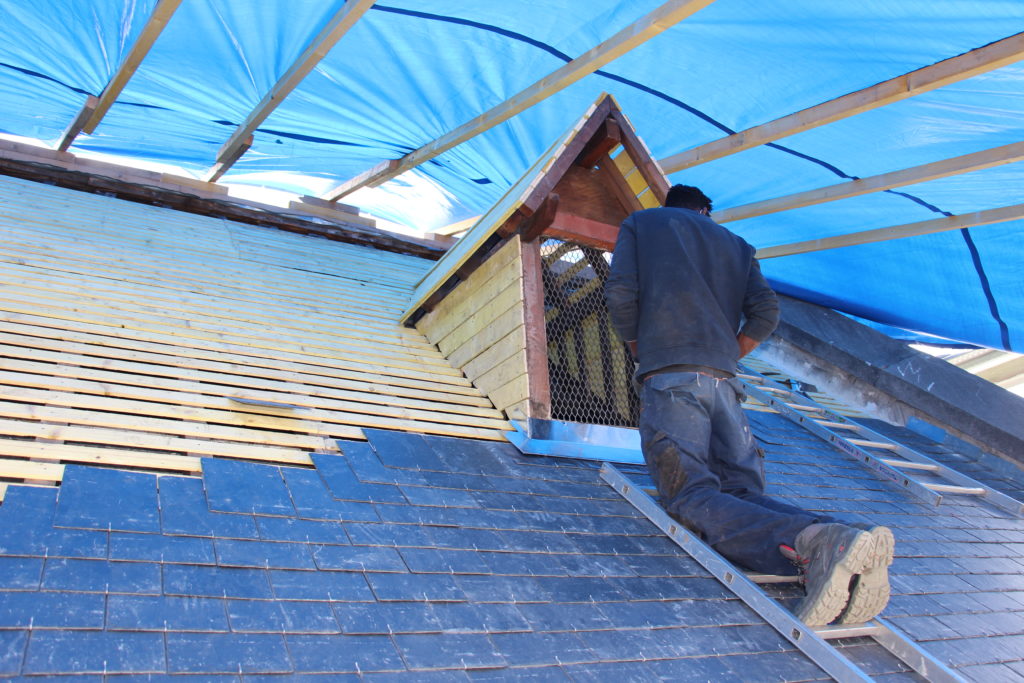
883,464
809,640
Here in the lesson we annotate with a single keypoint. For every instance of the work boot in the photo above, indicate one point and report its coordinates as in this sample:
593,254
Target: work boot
869,593
830,555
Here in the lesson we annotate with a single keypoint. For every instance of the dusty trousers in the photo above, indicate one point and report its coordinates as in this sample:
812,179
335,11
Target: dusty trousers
700,452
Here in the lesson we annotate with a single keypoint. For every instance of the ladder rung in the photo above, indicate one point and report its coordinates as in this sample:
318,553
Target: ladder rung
848,631
910,465
776,390
773,578
750,378
874,444
962,490
839,425
806,409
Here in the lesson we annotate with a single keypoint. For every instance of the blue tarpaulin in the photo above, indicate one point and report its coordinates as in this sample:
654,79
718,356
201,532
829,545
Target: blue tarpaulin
410,71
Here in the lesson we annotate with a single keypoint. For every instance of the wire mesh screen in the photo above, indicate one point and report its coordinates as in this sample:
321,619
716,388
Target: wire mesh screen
589,367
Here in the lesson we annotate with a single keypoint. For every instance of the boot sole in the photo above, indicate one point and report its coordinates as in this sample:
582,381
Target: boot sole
831,595
870,592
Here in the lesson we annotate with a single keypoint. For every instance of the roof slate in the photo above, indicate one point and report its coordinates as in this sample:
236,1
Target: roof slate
472,561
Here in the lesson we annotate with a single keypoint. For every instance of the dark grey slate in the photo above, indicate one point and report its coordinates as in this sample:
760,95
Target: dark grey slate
333,586
282,616
226,653
376,618
266,554
313,500
236,486
162,613
449,651
412,587
357,558
99,498
24,609
343,483
84,652
159,548
101,576
301,530
12,651
539,649
344,653
216,582
184,511
444,561
20,573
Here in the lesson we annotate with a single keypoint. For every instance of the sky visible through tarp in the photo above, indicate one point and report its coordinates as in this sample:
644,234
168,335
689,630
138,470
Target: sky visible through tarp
411,71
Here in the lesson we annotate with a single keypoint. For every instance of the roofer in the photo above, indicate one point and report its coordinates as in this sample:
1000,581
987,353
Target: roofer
679,289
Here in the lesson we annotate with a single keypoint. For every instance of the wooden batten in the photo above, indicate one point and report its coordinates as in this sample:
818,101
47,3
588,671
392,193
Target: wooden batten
140,337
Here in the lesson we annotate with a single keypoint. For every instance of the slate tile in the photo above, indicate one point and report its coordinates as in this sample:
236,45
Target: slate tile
769,667
466,539
602,672
401,449
710,668
495,617
412,587
444,561
659,588
662,565
313,500
538,541
388,534
216,582
301,531
436,676
24,609
627,645
342,482
85,652
344,653
579,589
226,653
158,548
502,589
449,651
332,586
101,576
357,558
595,565
424,495
160,613
971,625
267,554
237,486
302,677
533,673
100,498
565,617
537,649
12,651
524,564
606,544
383,618
33,535
282,616
20,573
184,511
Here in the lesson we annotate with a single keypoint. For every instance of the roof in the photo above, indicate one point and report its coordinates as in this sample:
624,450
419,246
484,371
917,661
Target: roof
462,557
750,101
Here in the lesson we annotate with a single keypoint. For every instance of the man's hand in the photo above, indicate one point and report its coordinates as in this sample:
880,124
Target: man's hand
747,344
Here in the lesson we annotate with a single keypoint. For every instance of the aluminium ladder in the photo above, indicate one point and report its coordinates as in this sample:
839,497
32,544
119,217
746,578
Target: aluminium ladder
899,464
812,641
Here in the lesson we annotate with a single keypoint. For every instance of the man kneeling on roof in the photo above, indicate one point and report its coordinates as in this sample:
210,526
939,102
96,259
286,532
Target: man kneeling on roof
679,288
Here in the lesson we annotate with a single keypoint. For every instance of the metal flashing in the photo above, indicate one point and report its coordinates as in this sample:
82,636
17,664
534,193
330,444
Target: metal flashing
537,436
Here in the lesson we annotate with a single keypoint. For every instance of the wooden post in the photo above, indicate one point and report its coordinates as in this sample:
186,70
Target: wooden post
536,333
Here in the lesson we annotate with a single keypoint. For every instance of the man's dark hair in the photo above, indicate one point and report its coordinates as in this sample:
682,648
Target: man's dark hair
688,197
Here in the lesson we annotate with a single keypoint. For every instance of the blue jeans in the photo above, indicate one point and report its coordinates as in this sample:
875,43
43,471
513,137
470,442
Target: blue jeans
700,452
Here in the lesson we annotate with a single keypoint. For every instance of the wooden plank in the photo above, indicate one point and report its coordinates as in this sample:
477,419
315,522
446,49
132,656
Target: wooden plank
155,25
190,400
650,170
574,228
235,355
511,394
24,469
220,369
927,227
485,338
512,343
661,18
992,56
511,296
502,373
471,303
538,393
584,193
142,440
98,455
616,184
988,158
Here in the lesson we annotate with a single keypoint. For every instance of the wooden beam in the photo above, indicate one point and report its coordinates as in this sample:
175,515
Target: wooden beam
977,161
607,139
641,156
329,35
532,227
967,220
574,228
150,32
539,394
998,54
76,126
637,33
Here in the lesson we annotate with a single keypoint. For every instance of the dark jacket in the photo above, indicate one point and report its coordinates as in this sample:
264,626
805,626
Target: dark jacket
680,285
